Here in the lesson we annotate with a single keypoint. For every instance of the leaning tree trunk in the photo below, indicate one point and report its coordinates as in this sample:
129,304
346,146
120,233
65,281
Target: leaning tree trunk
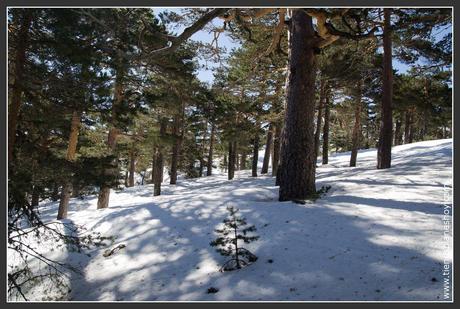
320,116
104,192
17,87
357,127
255,152
211,146
386,128
327,111
268,147
132,168
297,179
70,156
159,160
276,148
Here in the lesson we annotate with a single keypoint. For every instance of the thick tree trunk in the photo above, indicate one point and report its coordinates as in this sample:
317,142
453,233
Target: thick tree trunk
17,87
231,159
276,149
297,179
70,156
327,112
159,160
211,149
319,119
357,127
132,168
386,128
104,191
268,150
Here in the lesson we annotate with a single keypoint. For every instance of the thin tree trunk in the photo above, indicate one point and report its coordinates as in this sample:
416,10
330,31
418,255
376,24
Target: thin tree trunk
357,127
268,146
386,129
17,87
297,179
320,116
35,196
244,157
154,156
231,159
70,156
159,161
104,192
225,163
132,167
178,131
276,149
398,137
255,152
211,149
126,178
327,108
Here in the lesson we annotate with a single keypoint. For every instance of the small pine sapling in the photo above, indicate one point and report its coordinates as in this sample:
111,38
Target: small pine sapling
235,228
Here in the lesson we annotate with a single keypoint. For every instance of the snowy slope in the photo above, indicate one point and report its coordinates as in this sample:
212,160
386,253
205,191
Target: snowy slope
376,235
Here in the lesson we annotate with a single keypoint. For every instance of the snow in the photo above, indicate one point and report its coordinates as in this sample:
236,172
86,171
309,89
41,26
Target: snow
376,235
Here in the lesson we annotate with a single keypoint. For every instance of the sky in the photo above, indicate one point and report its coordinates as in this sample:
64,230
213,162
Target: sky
206,74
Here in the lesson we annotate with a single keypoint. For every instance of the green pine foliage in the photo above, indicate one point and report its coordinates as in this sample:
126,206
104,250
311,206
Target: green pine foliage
235,231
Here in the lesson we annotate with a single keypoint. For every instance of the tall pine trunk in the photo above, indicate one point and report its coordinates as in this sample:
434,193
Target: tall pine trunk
357,127
268,148
297,174
276,148
104,191
244,157
327,112
159,160
70,156
386,127
17,87
178,131
231,159
211,149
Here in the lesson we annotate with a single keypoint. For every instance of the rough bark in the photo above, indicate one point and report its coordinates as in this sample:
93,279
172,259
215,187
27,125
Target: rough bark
297,179
327,109
268,148
386,126
159,160
132,167
276,149
211,149
70,156
18,78
357,127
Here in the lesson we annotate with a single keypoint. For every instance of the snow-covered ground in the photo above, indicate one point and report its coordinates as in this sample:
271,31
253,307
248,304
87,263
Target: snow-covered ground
376,235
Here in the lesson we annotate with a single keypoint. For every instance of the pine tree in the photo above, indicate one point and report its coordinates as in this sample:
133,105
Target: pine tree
235,229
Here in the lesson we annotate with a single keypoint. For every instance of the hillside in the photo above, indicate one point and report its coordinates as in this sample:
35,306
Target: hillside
375,235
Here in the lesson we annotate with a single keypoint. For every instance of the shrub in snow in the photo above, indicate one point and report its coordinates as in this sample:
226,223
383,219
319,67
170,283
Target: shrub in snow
235,228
